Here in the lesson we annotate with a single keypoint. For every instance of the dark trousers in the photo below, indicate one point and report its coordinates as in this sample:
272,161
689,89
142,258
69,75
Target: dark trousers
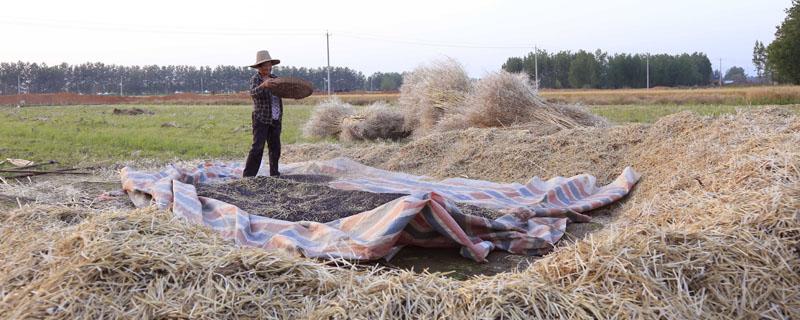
271,135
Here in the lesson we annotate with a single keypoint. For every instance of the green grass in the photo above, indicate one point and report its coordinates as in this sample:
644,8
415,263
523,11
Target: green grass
74,134
651,113
88,134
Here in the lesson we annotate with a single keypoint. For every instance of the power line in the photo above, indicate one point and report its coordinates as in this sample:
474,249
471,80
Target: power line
95,26
153,29
442,44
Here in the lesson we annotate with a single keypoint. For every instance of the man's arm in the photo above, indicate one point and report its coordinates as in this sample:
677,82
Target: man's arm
260,88
255,87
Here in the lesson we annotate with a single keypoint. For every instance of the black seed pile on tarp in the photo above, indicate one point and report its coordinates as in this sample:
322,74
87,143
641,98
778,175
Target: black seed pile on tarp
304,198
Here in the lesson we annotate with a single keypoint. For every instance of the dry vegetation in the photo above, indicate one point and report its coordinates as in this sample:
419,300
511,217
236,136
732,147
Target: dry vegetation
432,91
326,119
441,97
375,122
711,231
502,99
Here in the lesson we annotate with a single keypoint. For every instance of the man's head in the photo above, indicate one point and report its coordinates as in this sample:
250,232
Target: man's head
264,62
264,68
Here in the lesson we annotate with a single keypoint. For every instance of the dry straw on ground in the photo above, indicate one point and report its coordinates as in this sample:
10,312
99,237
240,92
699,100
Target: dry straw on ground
326,119
431,91
711,231
377,121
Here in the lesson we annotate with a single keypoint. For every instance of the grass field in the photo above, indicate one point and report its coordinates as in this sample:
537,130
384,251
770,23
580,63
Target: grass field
76,134
91,133
650,113
734,96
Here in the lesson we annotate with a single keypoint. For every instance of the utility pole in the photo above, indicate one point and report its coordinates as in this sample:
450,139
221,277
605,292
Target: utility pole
648,71
536,65
201,84
328,46
120,85
19,90
720,72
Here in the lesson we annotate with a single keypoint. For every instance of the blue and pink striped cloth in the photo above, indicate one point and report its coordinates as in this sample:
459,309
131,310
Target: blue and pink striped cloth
536,213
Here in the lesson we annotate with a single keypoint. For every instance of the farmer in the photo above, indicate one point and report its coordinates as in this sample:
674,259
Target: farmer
267,114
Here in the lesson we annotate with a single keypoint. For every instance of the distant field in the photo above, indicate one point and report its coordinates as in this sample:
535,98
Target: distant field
77,134
732,96
92,133
650,113
63,99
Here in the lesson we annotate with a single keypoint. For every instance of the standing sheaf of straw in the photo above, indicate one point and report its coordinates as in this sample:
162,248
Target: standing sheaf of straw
441,97
326,119
431,92
378,121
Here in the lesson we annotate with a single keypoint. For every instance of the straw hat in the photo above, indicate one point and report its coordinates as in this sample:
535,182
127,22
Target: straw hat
263,56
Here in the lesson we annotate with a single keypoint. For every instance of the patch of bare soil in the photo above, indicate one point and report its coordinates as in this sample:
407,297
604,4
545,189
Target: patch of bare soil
132,112
451,263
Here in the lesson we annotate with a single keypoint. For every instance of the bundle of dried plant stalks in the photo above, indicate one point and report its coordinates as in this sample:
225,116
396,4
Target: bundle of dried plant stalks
442,97
326,119
504,99
378,121
432,91
711,231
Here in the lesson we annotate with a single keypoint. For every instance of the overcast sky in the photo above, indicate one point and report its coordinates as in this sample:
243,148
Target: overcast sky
375,35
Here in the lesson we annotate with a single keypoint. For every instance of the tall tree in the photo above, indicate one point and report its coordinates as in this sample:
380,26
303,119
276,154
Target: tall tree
759,59
784,53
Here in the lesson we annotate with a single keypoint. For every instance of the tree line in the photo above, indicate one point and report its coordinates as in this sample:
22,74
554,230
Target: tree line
780,60
100,78
584,69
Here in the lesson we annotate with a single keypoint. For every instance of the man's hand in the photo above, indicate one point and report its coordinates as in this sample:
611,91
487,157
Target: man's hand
268,83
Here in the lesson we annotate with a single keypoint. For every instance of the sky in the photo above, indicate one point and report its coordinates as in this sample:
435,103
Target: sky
371,36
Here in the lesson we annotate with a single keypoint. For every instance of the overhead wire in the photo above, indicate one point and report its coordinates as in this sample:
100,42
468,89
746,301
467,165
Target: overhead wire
94,26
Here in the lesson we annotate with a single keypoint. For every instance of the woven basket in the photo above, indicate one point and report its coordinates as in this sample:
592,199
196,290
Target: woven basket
294,88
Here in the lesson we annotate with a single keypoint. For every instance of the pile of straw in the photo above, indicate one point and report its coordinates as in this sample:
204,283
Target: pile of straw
378,121
712,230
441,97
326,119
432,91
503,99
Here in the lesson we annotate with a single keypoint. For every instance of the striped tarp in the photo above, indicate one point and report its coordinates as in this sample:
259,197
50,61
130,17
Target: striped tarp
538,211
